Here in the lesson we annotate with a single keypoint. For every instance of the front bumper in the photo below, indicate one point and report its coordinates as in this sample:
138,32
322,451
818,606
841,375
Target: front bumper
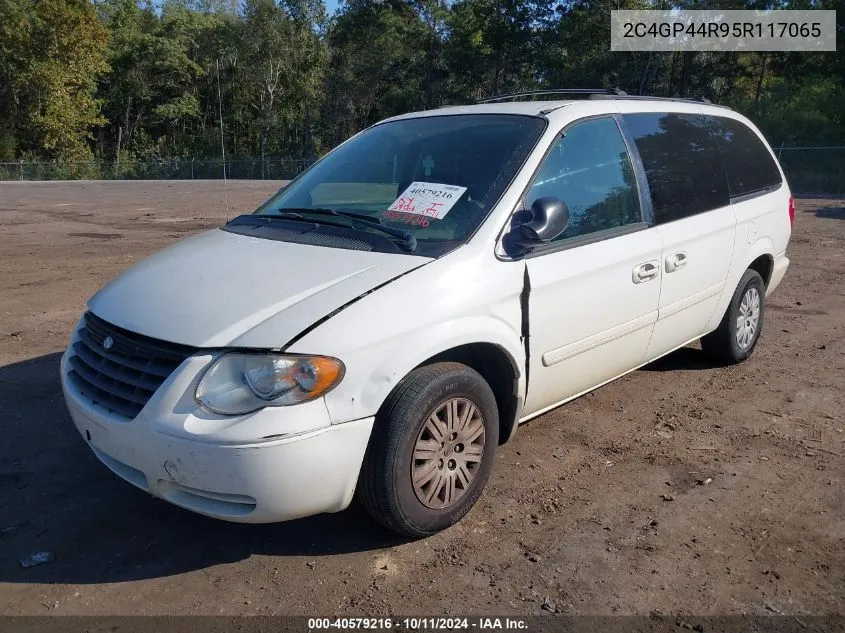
267,480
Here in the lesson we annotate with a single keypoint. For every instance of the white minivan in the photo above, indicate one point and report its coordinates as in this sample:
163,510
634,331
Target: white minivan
390,317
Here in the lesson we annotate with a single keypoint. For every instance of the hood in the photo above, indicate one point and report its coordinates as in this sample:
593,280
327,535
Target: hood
221,289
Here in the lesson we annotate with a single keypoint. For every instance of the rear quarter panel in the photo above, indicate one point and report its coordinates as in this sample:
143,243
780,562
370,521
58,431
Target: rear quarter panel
763,226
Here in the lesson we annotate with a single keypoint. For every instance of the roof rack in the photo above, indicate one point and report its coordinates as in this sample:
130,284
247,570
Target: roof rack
595,93
704,100
605,92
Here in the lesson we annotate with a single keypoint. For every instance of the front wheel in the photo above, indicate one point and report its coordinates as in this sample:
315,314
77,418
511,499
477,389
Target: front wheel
431,451
737,335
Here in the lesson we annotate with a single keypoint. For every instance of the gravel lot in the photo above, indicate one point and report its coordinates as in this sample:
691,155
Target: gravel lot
594,507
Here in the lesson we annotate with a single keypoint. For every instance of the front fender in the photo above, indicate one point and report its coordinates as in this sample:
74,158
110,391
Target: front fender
465,297
372,372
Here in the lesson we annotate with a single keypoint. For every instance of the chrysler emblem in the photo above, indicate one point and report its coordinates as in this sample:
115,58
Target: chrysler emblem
107,343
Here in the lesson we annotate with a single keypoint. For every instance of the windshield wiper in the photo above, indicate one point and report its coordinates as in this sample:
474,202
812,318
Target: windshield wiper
409,242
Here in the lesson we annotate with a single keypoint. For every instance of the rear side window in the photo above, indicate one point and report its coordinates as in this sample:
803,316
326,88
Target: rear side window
749,164
682,163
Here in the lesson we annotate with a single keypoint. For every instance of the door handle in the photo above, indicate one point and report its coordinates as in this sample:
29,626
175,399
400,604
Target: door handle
676,261
644,272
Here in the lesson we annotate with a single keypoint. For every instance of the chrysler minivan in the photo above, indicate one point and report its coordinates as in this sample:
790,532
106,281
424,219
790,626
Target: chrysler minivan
388,319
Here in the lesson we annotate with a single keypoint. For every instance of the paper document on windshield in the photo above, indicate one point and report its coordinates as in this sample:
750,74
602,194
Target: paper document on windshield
427,198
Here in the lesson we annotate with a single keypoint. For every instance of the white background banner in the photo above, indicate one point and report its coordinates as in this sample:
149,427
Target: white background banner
717,30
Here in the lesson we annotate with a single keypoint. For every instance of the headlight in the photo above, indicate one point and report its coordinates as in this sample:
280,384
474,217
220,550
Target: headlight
240,383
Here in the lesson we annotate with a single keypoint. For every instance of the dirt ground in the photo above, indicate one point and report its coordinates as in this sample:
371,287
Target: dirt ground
593,508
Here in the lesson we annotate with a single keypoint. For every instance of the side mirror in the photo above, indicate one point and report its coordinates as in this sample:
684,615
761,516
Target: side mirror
547,218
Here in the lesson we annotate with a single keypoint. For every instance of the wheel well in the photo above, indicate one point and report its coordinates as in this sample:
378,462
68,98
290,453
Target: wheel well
495,366
763,265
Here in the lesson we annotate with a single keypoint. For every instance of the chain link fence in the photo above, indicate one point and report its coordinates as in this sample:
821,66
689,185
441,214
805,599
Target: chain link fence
814,170
809,170
171,169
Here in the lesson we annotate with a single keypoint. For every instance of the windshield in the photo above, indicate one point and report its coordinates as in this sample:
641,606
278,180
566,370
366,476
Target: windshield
435,178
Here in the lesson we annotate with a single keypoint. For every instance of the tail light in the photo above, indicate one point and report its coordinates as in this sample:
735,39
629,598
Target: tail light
791,210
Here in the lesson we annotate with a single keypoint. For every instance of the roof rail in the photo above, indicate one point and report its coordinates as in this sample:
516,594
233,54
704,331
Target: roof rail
606,92
703,100
597,93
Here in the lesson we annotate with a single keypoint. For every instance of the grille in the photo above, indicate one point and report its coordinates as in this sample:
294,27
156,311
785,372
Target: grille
123,378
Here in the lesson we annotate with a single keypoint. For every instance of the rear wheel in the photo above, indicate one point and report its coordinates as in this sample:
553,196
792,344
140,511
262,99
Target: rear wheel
737,335
431,451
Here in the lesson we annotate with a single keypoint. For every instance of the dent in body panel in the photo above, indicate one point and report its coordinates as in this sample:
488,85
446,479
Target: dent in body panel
448,303
340,309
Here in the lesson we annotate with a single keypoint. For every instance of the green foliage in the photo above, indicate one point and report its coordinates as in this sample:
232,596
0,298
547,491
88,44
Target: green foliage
494,46
52,54
8,145
131,80
796,114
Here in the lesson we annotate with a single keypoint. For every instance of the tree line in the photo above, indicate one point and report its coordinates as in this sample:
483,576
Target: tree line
130,80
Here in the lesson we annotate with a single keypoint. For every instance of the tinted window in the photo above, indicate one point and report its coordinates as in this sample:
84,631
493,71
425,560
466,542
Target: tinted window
682,163
589,169
749,164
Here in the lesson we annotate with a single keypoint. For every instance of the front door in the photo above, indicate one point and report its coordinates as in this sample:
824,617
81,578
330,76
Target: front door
594,290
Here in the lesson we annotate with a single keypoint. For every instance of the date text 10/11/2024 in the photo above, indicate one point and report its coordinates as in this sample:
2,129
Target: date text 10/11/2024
419,623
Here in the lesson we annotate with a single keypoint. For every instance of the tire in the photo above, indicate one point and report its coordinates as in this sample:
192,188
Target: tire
732,343
405,437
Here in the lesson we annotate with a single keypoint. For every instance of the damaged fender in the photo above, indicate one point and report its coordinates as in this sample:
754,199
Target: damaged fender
422,314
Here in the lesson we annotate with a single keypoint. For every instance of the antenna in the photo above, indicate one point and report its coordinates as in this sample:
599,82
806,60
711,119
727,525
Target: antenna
222,145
